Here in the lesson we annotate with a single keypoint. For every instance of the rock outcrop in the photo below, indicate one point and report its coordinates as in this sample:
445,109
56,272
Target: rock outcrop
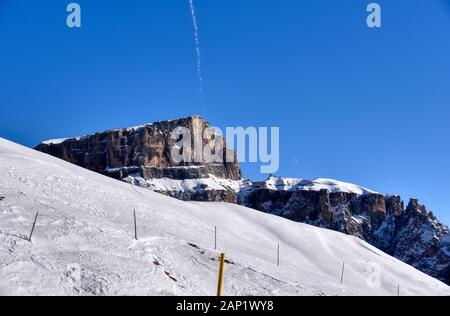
145,152
416,237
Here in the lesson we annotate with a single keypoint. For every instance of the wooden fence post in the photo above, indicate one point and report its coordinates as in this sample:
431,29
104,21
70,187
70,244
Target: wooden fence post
342,274
221,268
278,255
34,224
135,225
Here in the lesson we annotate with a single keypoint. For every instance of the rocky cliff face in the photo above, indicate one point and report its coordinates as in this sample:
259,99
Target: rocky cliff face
145,153
416,237
411,234
142,156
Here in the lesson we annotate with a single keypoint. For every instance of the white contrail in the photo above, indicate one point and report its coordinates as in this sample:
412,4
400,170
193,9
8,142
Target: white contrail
197,48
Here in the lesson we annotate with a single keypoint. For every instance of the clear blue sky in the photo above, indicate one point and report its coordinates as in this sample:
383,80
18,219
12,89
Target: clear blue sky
369,106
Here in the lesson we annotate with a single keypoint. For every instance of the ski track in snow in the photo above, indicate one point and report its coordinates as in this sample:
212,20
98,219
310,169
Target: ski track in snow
86,219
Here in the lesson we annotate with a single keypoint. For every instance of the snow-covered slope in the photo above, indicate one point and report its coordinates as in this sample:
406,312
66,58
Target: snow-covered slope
86,220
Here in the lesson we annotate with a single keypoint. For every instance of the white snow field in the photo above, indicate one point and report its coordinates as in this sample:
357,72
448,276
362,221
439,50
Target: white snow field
85,226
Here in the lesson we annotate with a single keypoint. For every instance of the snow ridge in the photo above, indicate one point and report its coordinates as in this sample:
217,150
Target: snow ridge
293,184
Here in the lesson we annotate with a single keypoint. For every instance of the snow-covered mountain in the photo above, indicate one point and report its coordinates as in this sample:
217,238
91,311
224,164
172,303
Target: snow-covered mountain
412,234
86,221
140,155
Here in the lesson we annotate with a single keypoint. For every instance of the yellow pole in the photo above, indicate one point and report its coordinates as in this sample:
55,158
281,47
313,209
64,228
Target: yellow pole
219,285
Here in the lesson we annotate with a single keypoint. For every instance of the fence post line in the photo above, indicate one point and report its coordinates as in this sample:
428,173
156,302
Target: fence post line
221,268
342,274
34,224
398,290
135,225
